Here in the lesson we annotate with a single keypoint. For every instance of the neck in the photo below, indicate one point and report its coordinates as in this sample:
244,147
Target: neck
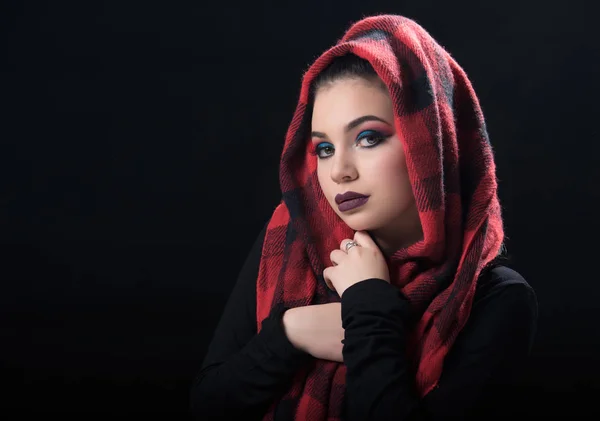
406,232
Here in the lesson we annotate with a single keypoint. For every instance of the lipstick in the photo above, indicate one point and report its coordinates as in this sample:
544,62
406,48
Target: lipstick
350,200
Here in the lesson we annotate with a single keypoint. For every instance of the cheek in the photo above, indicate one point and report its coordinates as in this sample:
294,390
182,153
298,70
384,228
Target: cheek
391,167
323,181
390,162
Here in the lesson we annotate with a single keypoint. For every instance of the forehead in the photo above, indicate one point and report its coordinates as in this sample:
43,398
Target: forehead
347,99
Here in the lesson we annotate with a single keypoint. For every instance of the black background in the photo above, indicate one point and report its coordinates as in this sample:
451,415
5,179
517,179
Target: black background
139,154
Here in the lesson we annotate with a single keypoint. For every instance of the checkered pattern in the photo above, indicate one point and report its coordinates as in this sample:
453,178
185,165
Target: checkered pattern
451,167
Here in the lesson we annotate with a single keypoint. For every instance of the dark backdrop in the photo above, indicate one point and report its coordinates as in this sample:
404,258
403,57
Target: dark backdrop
139,158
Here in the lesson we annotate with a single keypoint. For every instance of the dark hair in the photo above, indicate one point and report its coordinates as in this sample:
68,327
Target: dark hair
346,66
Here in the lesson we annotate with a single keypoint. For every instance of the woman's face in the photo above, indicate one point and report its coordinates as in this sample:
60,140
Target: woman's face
358,150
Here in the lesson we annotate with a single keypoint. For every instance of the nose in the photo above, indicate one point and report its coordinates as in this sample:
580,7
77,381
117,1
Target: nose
343,168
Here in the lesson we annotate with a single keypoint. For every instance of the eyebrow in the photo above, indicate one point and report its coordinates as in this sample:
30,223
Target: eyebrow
353,124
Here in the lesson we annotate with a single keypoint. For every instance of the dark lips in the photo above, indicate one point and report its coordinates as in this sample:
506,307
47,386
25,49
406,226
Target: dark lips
349,195
352,203
350,200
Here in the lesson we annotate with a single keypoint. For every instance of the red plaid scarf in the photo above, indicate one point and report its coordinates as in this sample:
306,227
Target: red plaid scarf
452,172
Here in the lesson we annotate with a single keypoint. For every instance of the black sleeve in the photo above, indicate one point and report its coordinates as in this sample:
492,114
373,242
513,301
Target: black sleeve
243,371
492,347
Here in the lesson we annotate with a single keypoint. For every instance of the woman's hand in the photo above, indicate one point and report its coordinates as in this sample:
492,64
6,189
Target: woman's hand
361,262
316,330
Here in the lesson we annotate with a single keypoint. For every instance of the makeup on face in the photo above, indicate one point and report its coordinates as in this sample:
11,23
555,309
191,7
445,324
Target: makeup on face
373,127
353,203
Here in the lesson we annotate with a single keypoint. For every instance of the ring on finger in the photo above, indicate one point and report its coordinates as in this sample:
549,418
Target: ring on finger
351,244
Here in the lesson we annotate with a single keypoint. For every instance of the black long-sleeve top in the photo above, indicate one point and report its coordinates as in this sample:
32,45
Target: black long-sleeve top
243,372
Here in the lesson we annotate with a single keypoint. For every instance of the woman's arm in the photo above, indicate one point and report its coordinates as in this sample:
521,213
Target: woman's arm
493,345
243,371
378,382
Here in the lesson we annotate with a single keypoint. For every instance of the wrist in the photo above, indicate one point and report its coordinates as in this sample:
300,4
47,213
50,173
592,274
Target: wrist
291,329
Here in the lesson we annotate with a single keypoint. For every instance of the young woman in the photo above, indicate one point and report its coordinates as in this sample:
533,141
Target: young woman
375,291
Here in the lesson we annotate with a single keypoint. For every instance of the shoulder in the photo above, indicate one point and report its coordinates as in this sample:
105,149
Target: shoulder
502,324
483,368
500,282
505,303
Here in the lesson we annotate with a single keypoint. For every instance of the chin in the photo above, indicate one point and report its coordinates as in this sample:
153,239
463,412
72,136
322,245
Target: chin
359,222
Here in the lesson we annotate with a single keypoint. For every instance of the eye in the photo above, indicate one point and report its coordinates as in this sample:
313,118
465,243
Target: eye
370,138
323,150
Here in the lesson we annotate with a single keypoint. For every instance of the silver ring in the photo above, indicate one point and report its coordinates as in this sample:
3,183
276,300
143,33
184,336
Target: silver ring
351,244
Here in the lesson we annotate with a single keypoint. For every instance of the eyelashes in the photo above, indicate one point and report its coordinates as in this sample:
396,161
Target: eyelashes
373,138
323,147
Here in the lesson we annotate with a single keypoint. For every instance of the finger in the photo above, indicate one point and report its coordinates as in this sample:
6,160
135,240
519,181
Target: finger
337,256
364,239
327,279
344,243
